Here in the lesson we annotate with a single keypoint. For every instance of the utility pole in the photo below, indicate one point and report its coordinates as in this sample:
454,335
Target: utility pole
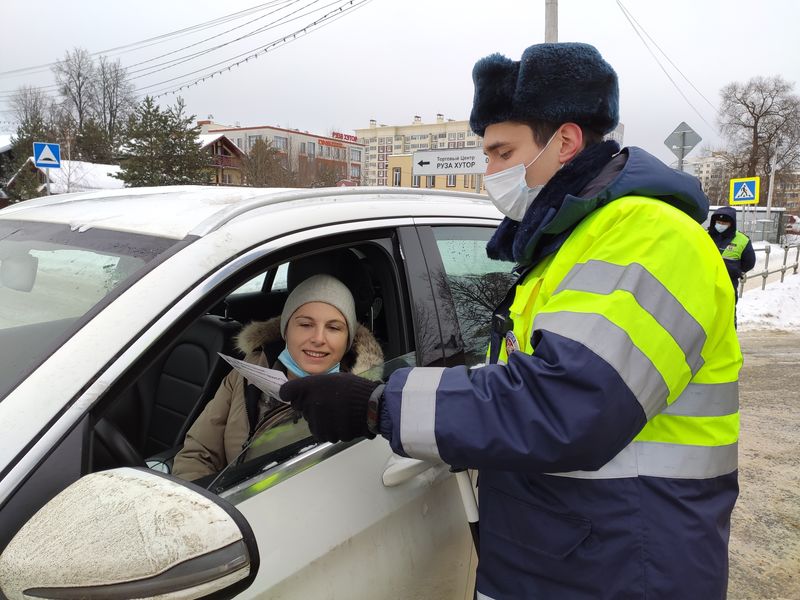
550,21
771,181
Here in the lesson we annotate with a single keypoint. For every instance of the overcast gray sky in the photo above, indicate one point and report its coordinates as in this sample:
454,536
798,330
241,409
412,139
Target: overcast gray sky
392,59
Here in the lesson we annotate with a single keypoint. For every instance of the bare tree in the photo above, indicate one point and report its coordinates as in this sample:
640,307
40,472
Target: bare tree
759,119
115,97
31,108
76,78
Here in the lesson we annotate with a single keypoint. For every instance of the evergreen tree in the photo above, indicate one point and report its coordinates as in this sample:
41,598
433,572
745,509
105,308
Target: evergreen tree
162,147
264,167
93,144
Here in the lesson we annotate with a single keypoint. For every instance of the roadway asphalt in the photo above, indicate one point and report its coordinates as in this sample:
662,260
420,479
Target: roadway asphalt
765,531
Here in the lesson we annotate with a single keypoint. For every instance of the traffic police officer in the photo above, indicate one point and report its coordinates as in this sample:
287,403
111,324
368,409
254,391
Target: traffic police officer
606,426
735,247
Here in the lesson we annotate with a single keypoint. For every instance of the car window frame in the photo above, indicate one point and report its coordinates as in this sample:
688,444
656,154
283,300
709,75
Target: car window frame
414,286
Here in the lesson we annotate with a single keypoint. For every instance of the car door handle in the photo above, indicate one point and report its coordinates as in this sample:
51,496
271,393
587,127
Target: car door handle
399,469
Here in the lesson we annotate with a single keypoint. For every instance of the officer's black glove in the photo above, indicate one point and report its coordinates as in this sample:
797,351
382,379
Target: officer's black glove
335,405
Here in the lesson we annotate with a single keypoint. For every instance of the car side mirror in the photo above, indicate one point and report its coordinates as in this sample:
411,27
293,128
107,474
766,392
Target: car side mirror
131,533
19,272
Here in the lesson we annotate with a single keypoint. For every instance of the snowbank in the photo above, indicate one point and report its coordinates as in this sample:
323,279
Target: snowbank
775,307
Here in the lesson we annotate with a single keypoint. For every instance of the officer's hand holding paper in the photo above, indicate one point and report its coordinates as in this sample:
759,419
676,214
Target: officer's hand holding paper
267,380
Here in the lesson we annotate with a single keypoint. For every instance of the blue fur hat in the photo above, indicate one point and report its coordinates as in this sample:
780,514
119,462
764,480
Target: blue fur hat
557,83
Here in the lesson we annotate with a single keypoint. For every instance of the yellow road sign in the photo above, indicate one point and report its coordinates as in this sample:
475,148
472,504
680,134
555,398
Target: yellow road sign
744,190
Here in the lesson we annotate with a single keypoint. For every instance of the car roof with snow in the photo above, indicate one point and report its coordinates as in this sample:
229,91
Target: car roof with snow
178,211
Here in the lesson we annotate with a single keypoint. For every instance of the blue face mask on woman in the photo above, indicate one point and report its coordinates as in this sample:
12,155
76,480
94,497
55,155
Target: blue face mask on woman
291,364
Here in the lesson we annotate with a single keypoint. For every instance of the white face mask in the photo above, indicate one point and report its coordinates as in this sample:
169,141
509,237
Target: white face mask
509,191
721,226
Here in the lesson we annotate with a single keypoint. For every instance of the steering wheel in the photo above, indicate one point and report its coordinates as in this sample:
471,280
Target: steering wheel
117,445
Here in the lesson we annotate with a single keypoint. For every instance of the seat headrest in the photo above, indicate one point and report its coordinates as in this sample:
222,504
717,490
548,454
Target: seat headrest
343,264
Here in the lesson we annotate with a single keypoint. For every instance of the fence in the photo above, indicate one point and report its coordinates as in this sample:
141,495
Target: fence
782,269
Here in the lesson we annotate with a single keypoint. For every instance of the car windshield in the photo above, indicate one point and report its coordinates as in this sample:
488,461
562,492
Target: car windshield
53,279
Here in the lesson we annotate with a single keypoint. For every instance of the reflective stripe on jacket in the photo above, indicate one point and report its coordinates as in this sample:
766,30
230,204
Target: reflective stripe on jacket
607,442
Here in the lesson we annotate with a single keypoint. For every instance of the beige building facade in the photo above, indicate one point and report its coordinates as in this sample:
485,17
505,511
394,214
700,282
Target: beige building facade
306,154
384,141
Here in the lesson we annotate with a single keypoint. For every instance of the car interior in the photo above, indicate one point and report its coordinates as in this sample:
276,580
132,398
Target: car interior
143,420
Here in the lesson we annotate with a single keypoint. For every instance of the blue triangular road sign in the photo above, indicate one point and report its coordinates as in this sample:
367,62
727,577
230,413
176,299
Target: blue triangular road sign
46,155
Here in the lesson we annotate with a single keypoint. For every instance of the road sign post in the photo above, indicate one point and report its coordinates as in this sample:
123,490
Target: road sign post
47,156
682,141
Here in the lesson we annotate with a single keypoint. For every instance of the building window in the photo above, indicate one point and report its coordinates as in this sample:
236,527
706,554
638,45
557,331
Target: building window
311,149
281,143
415,181
302,147
461,135
355,155
251,141
451,181
431,183
451,144
355,171
451,136
442,135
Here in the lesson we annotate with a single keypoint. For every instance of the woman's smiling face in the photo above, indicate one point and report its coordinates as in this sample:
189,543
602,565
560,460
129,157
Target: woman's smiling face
316,337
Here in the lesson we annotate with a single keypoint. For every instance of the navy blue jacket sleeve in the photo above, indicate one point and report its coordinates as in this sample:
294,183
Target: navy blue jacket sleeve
561,409
748,260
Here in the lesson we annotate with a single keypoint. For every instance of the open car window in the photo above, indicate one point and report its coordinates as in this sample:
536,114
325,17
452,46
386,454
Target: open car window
285,434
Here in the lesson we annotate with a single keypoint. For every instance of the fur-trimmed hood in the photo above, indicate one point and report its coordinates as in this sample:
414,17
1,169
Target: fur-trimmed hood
364,354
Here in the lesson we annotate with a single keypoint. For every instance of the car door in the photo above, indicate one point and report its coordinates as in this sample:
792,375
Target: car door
326,523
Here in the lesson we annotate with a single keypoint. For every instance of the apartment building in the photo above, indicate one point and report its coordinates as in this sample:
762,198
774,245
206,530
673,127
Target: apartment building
307,154
383,141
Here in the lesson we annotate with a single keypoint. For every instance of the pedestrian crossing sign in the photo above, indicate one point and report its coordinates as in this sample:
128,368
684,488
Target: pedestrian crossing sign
744,190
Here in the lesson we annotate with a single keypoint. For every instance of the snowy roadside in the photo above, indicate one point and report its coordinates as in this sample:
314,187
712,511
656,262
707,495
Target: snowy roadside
775,307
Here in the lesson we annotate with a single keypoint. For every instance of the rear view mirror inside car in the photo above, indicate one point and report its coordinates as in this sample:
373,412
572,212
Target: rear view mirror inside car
18,272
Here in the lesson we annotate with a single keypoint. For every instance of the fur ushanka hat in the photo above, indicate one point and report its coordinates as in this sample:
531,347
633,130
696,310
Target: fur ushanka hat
558,83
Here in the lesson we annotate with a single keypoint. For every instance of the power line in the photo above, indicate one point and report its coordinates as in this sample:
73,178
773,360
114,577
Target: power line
53,87
323,21
342,10
156,39
280,21
8,94
290,2
715,109
658,62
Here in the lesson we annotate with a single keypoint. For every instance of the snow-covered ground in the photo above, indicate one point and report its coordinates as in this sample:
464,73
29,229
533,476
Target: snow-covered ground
775,307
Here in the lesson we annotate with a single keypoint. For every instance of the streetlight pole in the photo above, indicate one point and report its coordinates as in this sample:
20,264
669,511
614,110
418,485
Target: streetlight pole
550,21
772,180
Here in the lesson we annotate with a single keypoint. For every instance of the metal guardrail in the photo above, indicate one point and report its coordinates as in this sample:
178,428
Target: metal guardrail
767,272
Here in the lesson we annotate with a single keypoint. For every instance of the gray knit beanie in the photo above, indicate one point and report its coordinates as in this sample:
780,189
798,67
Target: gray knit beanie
322,288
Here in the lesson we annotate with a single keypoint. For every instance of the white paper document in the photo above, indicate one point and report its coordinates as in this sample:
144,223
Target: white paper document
267,380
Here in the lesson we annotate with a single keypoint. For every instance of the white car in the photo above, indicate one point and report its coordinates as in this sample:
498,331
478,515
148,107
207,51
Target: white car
113,309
